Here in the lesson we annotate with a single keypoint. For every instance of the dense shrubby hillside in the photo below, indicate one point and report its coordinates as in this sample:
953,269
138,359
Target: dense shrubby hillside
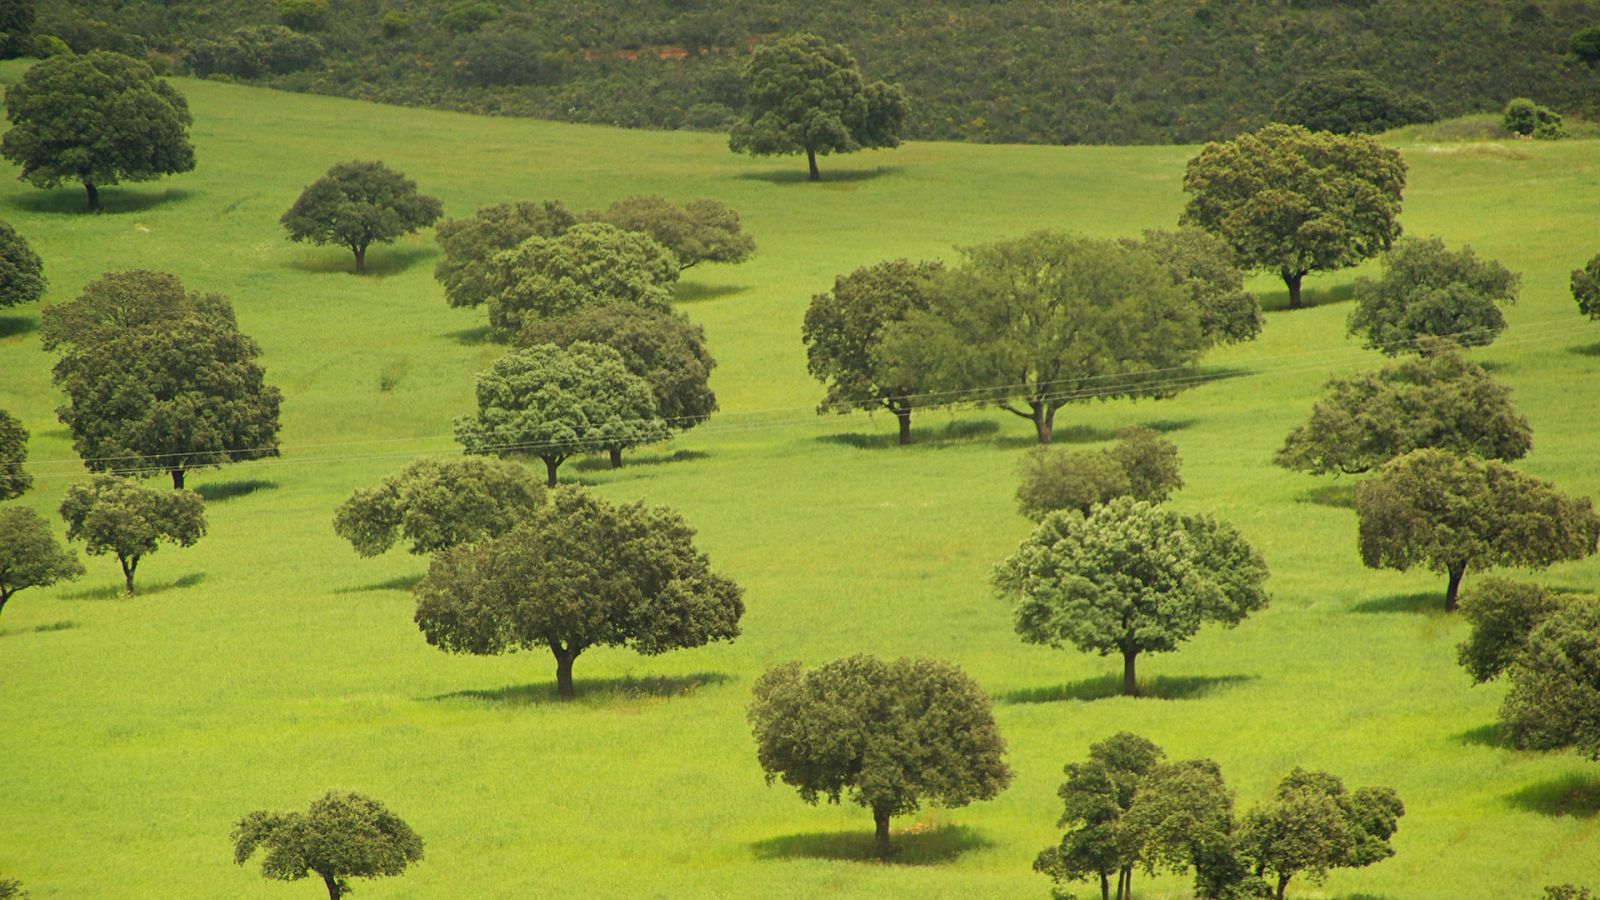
1115,71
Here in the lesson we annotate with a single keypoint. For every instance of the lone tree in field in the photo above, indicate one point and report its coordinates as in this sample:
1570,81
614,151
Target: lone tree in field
21,270
1129,578
698,231
592,264
159,380
887,735
436,504
1204,264
97,119
469,244
547,402
14,482
1313,824
805,95
1426,292
994,329
844,331
30,555
1142,465
1296,201
357,204
115,516
342,836
1586,286
1438,400
579,573
1455,514
665,349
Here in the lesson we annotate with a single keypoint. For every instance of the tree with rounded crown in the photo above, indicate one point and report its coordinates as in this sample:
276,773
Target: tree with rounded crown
469,244
805,95
1296,201
1586,286
1142,465
548,402
1313,824
887,735
357,204
115,516
1430,297
699,231
14,480
591,264
1554,699
436,504
98,118
21,270
341,836
30,555
1503,614
1129,578
580,573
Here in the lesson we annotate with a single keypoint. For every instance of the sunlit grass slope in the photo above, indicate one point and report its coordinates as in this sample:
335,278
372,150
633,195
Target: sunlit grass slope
270,663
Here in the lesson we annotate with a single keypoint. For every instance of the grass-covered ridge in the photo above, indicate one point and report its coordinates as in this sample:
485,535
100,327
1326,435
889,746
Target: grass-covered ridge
269,663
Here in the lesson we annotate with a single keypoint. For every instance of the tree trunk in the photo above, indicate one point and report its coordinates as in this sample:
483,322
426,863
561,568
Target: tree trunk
880,838
177,479
1105,887
1292,281
1130,685
1454,588
4,596
1127,882
333,886
616,457
361,259
128,566
551,464
1122,884
94,196
903,413
1283,882
564,657
1044,421
811,157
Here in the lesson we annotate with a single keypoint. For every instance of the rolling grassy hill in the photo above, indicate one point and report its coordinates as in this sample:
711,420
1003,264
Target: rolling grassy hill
270,663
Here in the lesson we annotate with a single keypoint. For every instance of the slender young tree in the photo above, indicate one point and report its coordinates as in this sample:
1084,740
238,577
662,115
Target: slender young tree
1313,824
341,836
115,516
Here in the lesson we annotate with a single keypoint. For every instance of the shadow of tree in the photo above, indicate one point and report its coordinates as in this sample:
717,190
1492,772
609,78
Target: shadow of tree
912,847
1576,795
1341,495
113,200
11,326
1427,603
140,589
594,691
634,461
1584,350
382,261
1482,736
481,334
951,433
1104,687
227,490
64,625
1278,301
799,175
397,583
695,291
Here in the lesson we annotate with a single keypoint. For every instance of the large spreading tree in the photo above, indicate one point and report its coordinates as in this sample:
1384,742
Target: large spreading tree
1429,294
887,735
1129,578
844,331
1295,201
115,516
14,480
97,119
30,555
357,204
1032,324
471,243
21,270
699,231
590,264
805,95
580,573
1454,514
341,836
435,504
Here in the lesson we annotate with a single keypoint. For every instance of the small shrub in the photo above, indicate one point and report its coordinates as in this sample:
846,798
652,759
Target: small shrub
1529,119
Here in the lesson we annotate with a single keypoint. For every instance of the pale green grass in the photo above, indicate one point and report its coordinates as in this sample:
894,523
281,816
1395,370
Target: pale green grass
270,663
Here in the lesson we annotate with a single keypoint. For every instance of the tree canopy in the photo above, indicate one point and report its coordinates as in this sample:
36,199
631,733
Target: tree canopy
550,402
30,555
1129,578
805,95
993,330
436,504
886,735
1295,201
589,264
470,244
1438,400
1142,465
1205,265
844,332
14,480
579,573
1428,291
1312,824
357,204
115,516
96,118
699,231
1554,699
1502,614
1351,101
1586,286
21,270
341,836
1453,514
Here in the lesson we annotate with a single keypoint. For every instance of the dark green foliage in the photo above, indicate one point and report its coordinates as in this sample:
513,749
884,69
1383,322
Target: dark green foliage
1205,264
30,555
356,204
699,231
13,454
1293,201
1585,44
1453,514
551,402
888,736
16,33
21,270
590,264
1528,119
158,380
1129,578
1428,291
1350,101
1313,825
579,573
1569,891
436,504
470,244
1502,614
665,349
1554,700
1143,465
302,15
252,52
341,836
100,118
505,56
844,331
115,516
1438,400
805,95
1586,288
992,331
1150,461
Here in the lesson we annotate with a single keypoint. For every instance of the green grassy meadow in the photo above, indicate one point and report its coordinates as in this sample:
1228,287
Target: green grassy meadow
270,663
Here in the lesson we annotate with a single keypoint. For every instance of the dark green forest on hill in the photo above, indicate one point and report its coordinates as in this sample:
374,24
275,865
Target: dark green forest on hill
1114,71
